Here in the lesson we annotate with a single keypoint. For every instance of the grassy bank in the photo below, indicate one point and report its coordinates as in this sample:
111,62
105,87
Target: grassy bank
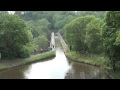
96,60
30,60
38,58
4,67
115,74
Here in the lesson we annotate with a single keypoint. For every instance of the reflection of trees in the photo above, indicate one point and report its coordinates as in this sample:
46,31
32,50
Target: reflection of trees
82,71
25,69
16,73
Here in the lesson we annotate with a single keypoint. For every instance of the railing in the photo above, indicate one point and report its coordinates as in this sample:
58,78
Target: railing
64,45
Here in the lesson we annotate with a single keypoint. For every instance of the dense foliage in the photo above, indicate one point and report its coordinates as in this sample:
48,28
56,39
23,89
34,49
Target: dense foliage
90,32
14,37
111,36
83,34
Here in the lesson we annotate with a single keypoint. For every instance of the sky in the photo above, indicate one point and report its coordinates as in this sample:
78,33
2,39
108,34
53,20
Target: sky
11,12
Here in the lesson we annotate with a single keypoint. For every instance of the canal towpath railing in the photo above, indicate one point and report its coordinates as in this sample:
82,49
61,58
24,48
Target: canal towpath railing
63,43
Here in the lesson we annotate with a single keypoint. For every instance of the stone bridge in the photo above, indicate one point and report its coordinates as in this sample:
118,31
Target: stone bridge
52,42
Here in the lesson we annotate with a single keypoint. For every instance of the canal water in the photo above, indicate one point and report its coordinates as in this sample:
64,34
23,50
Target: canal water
58,67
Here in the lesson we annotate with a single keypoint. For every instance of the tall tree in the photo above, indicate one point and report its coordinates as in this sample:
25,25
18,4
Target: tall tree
13,36
93,37
75,32
110,29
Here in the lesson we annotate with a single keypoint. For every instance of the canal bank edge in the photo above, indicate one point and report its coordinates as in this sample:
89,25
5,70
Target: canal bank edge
65,49
31,60
70,58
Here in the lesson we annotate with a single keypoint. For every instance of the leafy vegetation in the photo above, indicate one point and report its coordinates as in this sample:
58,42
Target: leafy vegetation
4,67
98,60
83,32
86,32
30,30
14,38
115,74
93,35
111,36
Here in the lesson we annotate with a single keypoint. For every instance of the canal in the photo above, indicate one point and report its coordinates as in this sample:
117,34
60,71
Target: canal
58,67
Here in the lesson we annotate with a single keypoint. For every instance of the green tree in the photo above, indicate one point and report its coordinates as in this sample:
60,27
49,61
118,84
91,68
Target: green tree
111,42
75,32
14,36
98,14
39,27
41,42
93,37
44,22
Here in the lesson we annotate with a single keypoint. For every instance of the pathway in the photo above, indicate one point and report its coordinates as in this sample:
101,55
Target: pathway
14,62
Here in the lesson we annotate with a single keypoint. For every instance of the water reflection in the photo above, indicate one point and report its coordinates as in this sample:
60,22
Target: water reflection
55,68
83,71
14,74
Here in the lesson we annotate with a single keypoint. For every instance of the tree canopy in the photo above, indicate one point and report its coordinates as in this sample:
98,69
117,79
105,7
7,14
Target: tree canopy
111,34
14,36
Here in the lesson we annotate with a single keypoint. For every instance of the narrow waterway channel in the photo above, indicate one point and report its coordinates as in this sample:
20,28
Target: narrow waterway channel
58,67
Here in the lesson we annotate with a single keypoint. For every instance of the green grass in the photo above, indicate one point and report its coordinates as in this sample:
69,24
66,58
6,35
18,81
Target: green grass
4,67
34,59
115,74
38,58
98,60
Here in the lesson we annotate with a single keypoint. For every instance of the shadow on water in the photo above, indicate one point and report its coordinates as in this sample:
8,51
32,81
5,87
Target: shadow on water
55,68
